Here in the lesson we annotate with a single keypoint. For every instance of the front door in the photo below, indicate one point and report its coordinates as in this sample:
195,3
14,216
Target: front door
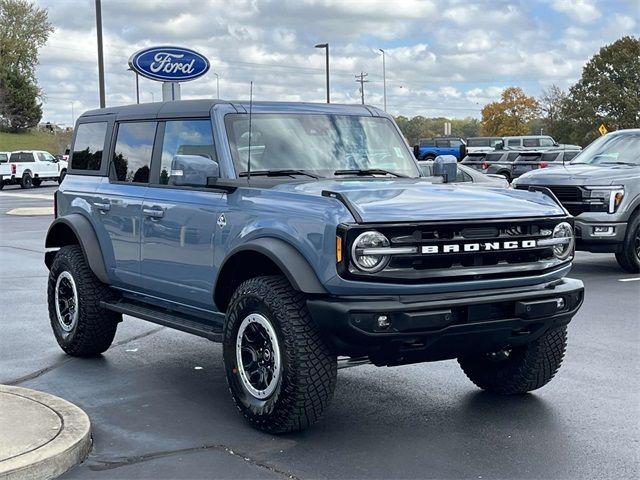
180,217
48,166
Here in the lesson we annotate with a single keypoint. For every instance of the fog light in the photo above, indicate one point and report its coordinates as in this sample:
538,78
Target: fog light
603,231
383,321
560,303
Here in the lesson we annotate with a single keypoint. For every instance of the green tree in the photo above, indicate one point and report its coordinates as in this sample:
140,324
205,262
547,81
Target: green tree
608,92
24,28
19,107
511,115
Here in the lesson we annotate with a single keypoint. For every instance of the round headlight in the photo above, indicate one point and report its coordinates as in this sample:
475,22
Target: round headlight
564,250
367,261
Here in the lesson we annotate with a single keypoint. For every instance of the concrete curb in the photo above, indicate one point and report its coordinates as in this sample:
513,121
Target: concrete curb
41,436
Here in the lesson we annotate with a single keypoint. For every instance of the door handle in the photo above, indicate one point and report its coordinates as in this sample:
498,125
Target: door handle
103,206
154,212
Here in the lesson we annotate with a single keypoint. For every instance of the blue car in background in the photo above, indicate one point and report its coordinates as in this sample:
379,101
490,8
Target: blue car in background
430,148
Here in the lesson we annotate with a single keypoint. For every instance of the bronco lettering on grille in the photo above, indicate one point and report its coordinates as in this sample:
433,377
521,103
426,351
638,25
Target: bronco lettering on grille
478,247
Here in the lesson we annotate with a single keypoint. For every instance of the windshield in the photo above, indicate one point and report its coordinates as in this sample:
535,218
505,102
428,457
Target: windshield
319,144
622,149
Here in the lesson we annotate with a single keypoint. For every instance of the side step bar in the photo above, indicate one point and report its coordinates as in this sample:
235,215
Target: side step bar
182,322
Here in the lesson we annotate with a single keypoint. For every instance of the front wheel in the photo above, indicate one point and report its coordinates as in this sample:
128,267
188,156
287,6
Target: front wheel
519,369
629,257
63,174
279,371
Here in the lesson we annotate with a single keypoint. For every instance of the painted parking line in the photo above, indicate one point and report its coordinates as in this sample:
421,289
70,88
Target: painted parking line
31,211
632,279
36,196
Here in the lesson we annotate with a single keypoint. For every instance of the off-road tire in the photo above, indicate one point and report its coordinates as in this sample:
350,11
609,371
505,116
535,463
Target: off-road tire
308,374
1,185
428,157
63,174
629,258
526,368
95,328
36,182
26,181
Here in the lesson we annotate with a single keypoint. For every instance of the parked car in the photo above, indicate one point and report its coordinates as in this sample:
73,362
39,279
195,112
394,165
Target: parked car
29,168
537,142
324,242
468,175
601,188
430,148
482,144
532,160
495,163
5,168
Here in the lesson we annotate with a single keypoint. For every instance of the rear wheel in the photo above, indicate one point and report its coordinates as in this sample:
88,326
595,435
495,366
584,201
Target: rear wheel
279,371
506,176
629,257
81,326
428,157
520,369
26,182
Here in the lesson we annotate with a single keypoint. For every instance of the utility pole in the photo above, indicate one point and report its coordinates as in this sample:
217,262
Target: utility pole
100,55
361,80
217,85
326,47
384,80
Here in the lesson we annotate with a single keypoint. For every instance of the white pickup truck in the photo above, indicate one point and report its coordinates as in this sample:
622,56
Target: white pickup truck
29,168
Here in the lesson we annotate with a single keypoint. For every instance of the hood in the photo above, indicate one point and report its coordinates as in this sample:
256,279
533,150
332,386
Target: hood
418,200
579,175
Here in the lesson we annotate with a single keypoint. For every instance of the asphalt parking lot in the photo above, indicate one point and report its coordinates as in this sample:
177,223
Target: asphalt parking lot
160,408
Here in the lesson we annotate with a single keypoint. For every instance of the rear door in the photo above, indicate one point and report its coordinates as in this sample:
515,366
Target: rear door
180,215
118,199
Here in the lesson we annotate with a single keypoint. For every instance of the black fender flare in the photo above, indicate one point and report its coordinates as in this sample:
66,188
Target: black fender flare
57,236
287,258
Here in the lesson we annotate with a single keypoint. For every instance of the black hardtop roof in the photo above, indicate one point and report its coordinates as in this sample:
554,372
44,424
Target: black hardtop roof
202,108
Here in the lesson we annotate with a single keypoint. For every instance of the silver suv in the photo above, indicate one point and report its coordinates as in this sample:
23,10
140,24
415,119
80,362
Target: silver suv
601,188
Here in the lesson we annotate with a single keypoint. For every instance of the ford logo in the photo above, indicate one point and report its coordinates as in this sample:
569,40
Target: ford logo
169,64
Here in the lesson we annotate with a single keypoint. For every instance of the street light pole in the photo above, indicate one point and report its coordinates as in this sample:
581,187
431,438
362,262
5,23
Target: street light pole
100,54
217,85
73,117
326,47
384,80
137,85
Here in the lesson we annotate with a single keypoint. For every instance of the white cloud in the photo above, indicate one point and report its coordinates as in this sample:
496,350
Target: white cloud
583,11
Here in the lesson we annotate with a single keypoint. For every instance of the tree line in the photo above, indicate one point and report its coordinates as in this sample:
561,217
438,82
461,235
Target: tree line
608,93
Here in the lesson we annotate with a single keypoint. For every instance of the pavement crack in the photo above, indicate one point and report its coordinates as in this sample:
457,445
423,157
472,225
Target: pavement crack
100,465
45,370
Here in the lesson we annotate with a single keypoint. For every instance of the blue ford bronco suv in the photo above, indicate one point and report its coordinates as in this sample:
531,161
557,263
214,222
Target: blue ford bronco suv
303,238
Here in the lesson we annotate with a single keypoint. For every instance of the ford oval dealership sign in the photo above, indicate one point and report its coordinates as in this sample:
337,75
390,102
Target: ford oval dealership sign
169,64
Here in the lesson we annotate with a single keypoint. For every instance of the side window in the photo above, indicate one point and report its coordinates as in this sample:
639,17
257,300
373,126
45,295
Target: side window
41,157
88,146
512,157
48,157
531,142
195,139
463,176
455,142
4,158
442,143
513,142
21,157
546,142
132,156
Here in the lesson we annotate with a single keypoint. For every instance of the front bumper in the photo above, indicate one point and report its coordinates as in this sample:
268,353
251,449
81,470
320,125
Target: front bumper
441,326
588,240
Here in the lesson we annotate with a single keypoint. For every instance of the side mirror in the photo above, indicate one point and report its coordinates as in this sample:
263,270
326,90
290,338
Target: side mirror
499,145
192,170
446,166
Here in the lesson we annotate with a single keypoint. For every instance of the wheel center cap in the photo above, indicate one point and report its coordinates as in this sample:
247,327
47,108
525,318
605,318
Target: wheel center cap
266,354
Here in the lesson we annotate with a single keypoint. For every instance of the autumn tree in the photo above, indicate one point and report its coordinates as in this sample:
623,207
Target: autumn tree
24,29
511,115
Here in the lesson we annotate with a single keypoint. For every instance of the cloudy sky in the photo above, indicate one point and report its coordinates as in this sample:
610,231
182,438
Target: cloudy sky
443,57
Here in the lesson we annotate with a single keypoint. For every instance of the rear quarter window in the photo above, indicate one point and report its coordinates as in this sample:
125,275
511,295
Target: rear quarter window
21,157
88,146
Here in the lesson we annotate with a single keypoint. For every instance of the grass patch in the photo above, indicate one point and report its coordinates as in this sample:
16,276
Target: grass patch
53,143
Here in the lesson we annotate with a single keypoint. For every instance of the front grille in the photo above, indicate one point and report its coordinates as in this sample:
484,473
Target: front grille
571,197
461,265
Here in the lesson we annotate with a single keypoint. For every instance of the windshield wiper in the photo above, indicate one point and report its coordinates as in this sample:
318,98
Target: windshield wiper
278,173
370,171
619,163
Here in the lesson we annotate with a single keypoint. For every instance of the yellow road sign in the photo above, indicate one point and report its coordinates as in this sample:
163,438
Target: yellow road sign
602,129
